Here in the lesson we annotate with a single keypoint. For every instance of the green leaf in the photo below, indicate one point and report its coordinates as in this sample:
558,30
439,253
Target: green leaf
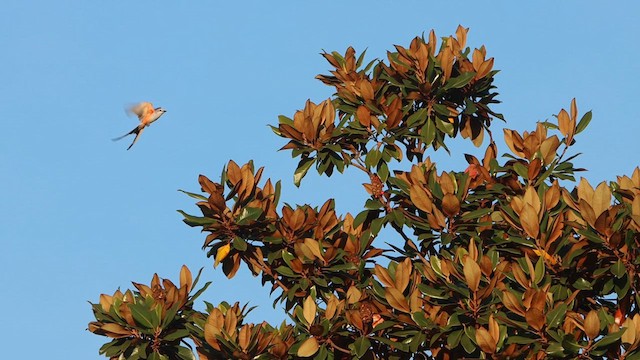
285,120
283,270
582,284
454,339
475,214
539,271
142,316
383,171
185,353
521,170
428,132
459,81
445,126
196,220
555,316
467,344
441,110
584,122
301,171
609,339
618,269
521,340
239,244
176,335
360,346
555,349
417,117
194,195
420,318
247,215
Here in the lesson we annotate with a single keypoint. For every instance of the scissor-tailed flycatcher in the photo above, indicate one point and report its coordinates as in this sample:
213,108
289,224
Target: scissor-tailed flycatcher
147,114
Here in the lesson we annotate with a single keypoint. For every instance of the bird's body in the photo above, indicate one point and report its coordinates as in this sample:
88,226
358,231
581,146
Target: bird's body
147,114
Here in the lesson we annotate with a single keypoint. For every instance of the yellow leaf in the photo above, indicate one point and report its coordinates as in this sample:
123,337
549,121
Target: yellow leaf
308,347
309,310
472,273
221,254
543,254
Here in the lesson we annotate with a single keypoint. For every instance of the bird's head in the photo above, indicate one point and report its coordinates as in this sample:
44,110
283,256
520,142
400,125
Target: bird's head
160,110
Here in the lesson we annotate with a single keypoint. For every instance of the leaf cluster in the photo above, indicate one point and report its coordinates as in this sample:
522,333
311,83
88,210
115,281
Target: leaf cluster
501,260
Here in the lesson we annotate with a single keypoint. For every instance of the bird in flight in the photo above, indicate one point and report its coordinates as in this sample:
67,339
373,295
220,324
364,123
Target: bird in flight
146,114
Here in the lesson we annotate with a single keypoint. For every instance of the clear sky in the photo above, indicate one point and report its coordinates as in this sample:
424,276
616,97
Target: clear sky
80,215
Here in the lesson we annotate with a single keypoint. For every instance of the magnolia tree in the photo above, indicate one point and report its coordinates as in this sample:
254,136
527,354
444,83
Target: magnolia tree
498,261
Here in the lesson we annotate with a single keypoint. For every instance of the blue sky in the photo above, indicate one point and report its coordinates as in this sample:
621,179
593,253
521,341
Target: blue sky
82,216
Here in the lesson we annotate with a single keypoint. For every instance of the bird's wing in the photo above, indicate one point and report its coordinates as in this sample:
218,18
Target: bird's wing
143,110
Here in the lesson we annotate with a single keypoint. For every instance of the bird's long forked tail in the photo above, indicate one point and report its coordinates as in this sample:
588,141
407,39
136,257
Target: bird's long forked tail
137,130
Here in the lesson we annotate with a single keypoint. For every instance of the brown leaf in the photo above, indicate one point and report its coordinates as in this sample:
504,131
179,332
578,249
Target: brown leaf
552,196
353,295
420,198
485,341
213,327
364,116
601,199
529,221
185,278
494,328
244,337
592,325
383,276
403,274
548,149
519,275
332,306
629,335
397,300
564,122
115,331
534,168
472,273
450,205
535,318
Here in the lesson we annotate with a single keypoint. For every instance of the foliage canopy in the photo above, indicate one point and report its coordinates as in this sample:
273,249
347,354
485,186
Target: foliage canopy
498,261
